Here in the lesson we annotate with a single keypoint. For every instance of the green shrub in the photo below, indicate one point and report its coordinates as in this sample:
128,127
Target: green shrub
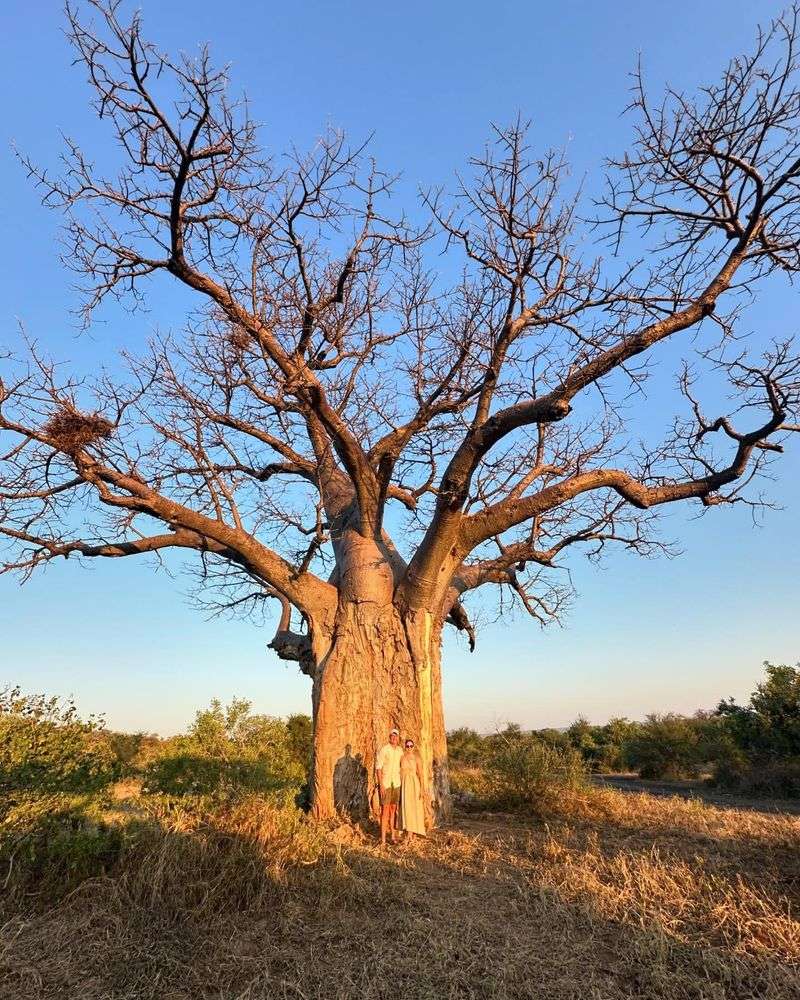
465,746
670,747
133,751
187,773
49,844
54,841
228,749
525,772
728,761
779,778
583,736
615,739
301,739
553,738
46,746
605,748
769,726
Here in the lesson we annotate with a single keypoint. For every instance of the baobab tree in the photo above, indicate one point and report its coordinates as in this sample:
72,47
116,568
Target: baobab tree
367,436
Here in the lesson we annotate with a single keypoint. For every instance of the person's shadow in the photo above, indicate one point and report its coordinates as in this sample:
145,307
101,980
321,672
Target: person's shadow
350,791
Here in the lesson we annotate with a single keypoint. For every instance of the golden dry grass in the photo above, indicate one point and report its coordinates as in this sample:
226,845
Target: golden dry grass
607,897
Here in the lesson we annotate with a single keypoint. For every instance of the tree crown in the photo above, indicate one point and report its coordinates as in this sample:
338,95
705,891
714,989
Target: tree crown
331,373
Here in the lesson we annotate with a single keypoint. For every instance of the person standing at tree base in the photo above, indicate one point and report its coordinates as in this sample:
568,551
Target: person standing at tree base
412,808
387,772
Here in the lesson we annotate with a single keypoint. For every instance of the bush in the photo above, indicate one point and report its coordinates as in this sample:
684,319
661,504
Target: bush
202,848
228,749
553,738
54,841
670,747
301,739
45,746
186,773
769,726
759,743
133,751
772,778
465,746
583,736
525,772
780,778
604,748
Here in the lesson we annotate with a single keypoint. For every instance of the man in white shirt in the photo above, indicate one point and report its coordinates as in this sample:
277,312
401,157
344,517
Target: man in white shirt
387,771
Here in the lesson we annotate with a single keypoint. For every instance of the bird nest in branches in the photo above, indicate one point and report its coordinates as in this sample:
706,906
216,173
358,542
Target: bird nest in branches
70,430
239,338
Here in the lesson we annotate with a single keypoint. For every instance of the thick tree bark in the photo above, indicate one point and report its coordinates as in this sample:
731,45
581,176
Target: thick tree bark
382,671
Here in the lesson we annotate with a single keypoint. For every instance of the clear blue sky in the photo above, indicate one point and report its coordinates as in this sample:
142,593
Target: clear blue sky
427,78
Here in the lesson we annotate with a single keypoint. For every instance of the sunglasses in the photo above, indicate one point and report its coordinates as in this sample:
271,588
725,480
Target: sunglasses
409,744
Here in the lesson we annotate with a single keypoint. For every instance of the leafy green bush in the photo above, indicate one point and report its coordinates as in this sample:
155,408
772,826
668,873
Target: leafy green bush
186,773
133,751
583,736
759,743
228,749
525,772
670,747
46,746
778,778
465,746
769,726
553,738
605,748
301,739
55,840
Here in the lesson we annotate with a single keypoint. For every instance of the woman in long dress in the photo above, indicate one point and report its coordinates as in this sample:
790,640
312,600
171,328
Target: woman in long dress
412,808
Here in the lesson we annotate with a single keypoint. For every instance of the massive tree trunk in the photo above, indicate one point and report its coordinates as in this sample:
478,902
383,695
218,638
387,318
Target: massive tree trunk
383,670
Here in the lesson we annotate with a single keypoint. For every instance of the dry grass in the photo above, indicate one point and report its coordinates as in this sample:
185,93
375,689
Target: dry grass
608,897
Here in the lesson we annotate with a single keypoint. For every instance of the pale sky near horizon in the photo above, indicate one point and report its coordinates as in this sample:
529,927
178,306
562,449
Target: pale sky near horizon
427,79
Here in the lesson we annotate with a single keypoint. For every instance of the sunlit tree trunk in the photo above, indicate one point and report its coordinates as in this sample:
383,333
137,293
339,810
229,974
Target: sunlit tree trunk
383,670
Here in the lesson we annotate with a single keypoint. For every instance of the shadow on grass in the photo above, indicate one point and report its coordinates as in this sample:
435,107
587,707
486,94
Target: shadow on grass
696,896
252,903
763,849
191,774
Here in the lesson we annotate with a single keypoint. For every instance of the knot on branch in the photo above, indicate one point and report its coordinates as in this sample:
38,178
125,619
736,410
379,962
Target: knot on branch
458,617
453,494
561,408
70,430
295,647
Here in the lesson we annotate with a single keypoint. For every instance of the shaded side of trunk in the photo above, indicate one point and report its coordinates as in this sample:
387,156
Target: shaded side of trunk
380,672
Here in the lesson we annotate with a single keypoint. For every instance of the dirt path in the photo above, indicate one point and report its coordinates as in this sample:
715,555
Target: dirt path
695,790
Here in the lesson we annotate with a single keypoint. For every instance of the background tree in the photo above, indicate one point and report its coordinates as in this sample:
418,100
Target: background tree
227,748
769,726
364,439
